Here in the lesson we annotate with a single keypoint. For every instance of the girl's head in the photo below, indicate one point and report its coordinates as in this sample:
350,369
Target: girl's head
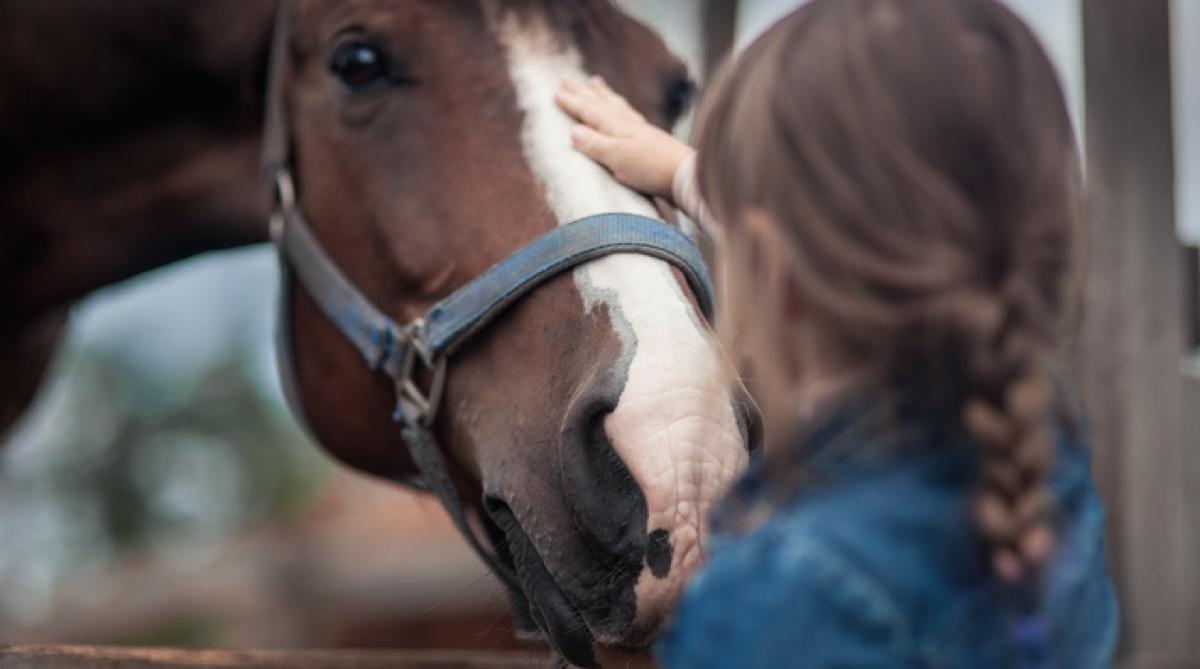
900,183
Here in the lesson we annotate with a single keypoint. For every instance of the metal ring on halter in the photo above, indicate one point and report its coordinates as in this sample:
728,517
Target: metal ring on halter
414,403
285,200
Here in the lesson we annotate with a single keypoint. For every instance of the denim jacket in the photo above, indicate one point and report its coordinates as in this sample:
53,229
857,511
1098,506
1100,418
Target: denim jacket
875,562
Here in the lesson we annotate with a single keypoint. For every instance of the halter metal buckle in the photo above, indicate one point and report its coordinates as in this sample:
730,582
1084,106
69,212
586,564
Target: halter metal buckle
285,200
415,404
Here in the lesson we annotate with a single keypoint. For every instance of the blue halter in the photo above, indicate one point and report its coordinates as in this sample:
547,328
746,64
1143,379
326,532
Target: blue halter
396,348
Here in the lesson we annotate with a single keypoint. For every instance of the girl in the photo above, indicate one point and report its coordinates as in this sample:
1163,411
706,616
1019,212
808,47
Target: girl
899,187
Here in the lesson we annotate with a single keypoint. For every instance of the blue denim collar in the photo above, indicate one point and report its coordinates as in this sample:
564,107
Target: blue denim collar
864,431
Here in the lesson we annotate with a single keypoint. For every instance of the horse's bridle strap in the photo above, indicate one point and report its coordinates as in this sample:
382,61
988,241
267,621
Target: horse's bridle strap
371,332
385,344
456,318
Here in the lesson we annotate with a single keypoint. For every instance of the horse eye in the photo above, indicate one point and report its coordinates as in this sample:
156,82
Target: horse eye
359,66
677,97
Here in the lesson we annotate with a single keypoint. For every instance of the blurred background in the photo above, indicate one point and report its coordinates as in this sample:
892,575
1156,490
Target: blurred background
159,492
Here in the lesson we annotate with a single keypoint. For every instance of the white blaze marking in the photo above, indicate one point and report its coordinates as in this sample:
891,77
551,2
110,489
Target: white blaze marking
674,425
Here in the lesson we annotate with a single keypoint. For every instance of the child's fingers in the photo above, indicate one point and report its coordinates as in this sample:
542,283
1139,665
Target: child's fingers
597,105
592,112
580,91
598,84
592,144
601,89
571,102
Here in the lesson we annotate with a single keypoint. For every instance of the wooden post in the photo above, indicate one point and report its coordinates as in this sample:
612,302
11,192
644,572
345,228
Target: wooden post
1192,305
1128,364
720,32
1191,400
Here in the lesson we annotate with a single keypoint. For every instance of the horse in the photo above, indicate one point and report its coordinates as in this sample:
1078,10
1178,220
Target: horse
129,139
586,429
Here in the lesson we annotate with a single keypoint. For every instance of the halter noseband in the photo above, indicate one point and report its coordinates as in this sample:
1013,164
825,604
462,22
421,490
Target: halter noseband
429,342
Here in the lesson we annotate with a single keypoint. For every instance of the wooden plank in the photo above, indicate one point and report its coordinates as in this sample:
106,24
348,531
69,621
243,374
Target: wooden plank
1127,367
720,30
1192,304
74,657
1191,433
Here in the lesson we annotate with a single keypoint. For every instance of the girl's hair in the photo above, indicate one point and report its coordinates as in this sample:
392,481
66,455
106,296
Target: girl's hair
904,174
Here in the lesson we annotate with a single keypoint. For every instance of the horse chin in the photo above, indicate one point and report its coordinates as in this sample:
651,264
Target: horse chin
562,624
565,628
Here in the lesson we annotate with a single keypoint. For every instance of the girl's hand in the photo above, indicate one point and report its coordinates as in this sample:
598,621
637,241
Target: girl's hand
614,134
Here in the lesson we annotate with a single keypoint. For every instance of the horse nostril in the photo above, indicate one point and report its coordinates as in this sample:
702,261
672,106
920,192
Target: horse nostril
605,501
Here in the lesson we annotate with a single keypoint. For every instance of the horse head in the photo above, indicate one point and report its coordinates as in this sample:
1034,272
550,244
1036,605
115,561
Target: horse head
588,426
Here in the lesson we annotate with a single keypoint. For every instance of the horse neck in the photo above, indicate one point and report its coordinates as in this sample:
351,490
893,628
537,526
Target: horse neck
135,147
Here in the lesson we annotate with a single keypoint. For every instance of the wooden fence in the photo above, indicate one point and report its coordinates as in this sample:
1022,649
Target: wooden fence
94,657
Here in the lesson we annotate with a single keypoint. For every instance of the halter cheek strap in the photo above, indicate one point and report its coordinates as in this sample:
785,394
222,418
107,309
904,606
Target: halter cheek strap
398,350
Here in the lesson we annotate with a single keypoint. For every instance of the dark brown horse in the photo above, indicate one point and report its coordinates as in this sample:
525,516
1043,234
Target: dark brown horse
129,136
587,426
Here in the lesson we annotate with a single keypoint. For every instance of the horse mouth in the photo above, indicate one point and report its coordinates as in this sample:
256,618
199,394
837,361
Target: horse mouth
563,625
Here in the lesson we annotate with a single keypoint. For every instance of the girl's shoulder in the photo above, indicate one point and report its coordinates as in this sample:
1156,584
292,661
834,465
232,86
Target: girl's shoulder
878,564
850,577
